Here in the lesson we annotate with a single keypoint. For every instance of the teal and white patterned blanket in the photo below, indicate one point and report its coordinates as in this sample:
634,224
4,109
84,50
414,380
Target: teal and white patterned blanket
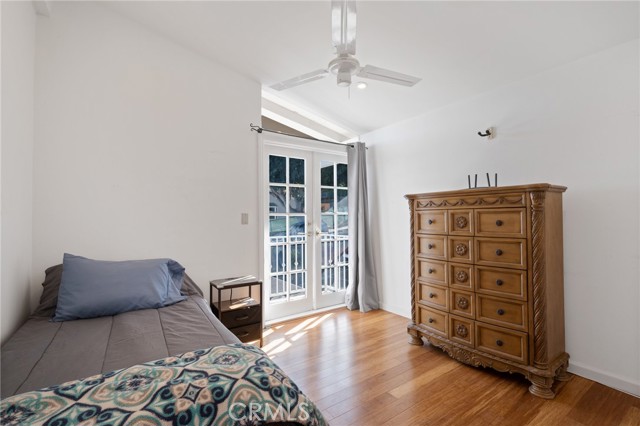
234,384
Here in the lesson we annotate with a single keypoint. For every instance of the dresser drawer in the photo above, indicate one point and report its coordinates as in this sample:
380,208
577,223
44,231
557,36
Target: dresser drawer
501,252
460,249
461,276
462,303
461,330
502,342
434,296
244,316
501,282
506,313
432,271
432,246
501,223
461,222
248,333
433,320
432,222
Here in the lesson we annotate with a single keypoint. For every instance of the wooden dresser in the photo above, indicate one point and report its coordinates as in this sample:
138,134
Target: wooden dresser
487,279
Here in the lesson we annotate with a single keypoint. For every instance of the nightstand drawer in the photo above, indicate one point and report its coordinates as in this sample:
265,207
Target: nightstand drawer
248,333
240,317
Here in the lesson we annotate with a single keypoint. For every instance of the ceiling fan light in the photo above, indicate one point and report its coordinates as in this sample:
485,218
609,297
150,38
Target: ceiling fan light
361,85
344,79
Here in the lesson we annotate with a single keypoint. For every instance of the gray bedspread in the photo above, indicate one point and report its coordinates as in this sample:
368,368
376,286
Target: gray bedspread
43,353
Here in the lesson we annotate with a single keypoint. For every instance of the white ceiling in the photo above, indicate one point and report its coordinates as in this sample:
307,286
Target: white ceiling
459,49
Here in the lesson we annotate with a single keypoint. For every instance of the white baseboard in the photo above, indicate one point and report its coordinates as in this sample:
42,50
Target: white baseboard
621,383
398,310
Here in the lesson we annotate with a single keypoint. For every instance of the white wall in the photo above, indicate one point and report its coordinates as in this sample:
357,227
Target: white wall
578,126
142,149
18,55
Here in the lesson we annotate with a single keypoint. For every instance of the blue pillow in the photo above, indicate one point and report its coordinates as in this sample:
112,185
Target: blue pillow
94,288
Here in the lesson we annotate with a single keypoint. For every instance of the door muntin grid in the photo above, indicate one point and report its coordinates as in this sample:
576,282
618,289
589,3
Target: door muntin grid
288,240
334,233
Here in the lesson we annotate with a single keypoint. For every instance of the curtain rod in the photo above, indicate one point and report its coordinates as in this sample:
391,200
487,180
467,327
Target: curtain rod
256,128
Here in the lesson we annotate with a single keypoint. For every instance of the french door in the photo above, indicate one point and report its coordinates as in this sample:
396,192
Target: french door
305,230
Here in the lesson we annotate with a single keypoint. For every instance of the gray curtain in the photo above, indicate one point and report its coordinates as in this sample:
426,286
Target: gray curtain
362,291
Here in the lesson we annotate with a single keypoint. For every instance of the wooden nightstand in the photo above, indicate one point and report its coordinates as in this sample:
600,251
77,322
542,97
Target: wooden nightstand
243,316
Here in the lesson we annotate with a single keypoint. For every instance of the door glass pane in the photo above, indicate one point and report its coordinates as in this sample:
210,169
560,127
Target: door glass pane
296,171
326,200
342,201
327,224
277,169
343,224
277,199
334,199
287,229
342,175
278,258
297,228
326,173
298,285
296,200
298,259
278,287
277,227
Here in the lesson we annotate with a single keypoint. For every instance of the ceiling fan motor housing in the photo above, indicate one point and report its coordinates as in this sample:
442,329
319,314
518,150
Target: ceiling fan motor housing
344,66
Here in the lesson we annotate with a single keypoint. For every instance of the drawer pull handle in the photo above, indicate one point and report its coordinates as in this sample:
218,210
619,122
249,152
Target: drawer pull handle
500,311
242,318
499,282
462,331
430,246
499,222
499,342
243,334
430,221
499,252
431,295
461,222
461,249
462,276
431,271
431,320
463,303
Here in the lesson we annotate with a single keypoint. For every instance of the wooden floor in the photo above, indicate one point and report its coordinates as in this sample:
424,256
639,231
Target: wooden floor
360,370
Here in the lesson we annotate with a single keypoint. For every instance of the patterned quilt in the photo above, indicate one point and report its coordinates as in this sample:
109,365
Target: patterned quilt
234,384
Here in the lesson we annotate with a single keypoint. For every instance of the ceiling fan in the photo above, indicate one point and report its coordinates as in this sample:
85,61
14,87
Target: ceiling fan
345,65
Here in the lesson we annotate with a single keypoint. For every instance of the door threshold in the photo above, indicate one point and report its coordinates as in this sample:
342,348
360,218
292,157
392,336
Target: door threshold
303,314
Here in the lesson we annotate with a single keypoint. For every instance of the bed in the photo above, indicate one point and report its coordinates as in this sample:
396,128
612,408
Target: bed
181,351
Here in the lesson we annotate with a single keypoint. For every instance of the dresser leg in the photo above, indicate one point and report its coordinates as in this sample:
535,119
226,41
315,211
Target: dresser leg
541,387
414,338
561,374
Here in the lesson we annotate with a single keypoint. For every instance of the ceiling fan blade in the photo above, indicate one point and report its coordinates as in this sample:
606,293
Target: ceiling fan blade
301,79
388,76
343,26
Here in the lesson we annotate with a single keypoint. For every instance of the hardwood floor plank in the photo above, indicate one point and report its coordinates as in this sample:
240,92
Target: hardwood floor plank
360,370
631,417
